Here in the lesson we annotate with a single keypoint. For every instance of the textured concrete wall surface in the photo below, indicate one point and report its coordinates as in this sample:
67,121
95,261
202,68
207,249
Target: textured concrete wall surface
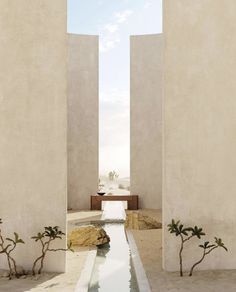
33,52
200,126
82,120
146,119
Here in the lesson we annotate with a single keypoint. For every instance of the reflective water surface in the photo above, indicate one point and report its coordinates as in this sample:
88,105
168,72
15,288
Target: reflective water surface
113,270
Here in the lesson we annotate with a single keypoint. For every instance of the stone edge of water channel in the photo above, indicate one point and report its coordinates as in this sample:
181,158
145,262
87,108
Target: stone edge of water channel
86,273
140,273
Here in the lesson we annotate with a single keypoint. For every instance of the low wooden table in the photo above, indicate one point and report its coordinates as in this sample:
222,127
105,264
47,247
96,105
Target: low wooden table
96,201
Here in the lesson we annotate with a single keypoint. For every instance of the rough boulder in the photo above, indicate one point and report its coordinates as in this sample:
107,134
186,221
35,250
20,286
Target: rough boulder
138,221
88,236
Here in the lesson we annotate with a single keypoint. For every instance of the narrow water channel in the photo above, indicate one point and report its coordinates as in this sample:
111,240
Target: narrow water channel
113,270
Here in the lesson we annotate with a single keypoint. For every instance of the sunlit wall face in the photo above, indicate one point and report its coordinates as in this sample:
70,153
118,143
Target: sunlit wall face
114,21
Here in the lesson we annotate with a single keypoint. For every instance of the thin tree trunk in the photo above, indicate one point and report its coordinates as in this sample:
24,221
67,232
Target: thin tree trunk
41,264
202,258
197,263
9,265
34,265
14,264
180,258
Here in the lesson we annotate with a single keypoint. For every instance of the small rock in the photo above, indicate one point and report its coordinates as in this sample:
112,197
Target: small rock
88,235
138,221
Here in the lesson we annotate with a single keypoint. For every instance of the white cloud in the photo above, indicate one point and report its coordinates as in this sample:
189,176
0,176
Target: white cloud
111,27
107,43
109,32
122,16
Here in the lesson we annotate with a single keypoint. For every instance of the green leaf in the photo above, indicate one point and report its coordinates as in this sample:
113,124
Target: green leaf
196,231
38,236
174,227
220,243
16,236
206,244
185,232
69,246
51,232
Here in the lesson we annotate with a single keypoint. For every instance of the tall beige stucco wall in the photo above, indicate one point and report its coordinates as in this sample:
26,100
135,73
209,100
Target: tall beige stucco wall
33,53
146,119
82,120
200,127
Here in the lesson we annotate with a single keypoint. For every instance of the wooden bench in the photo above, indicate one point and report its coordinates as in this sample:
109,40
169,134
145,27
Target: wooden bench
96,201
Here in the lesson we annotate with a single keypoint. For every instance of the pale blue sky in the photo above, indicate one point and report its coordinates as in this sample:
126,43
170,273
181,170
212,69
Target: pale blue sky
114,21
